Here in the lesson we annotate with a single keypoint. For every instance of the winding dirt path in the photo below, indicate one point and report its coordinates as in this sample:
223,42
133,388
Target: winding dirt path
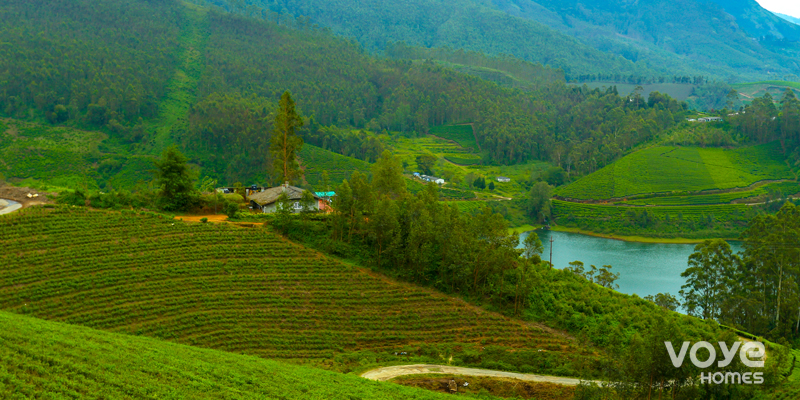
9,206
386,373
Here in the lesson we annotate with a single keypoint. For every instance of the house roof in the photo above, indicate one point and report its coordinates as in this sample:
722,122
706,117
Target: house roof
271,195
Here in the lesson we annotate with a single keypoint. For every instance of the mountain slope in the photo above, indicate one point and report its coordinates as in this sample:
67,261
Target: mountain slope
643,38
458,24
43,359
731,40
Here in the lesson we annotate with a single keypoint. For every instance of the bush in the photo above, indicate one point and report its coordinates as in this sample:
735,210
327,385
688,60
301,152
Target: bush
204,220
231,210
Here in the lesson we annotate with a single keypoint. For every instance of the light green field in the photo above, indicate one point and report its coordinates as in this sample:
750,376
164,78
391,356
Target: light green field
751,90
461,134
43,359
681,169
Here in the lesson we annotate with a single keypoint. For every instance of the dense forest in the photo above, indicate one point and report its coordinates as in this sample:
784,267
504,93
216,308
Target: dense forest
647,38
456,24
98,64
243,65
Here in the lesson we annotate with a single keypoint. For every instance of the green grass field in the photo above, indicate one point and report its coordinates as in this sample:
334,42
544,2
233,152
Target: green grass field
56,155
243,290
751,90
681,169
50,360
461,134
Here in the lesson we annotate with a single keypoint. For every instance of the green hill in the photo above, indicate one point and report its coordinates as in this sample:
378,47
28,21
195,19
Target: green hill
245,291
43,359
216,78
644,38
681,169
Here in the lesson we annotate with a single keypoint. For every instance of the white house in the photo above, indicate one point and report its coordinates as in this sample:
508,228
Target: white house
503,179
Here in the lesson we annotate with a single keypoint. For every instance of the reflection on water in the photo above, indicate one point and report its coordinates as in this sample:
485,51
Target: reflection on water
644,268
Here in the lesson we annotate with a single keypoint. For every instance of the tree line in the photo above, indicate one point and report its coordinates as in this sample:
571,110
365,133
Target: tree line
757,290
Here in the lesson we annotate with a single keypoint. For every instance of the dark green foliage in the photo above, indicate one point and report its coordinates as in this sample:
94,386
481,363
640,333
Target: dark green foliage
538,202
285,143
86,61
174,180
231,210
426,163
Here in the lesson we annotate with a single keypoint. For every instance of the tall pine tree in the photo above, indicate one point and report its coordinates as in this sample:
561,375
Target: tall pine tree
285,143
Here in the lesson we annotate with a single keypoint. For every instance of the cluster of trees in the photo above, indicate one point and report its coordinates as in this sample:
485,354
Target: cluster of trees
762,121
90,63
423,240
757,290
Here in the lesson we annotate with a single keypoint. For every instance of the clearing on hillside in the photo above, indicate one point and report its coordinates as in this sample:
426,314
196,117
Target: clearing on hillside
461,134
681,169
44,359
237,289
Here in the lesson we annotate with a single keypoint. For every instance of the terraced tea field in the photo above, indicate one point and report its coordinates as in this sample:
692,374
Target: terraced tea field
461,134
218,286
44,359
681,169
750,196
703,221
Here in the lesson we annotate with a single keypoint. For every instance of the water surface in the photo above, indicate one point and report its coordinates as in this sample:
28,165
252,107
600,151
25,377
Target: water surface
644,268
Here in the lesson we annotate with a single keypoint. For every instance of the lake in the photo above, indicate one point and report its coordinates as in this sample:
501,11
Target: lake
644,268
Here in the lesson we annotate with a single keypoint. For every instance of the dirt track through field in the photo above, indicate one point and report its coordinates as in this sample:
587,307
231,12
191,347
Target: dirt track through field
386,373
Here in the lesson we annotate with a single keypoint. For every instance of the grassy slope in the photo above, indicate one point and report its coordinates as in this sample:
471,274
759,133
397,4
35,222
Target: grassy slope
751,90
59,156
43,359
182,88
236,289
683,169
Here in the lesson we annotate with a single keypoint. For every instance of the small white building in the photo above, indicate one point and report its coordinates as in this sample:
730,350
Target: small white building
428,178
503,179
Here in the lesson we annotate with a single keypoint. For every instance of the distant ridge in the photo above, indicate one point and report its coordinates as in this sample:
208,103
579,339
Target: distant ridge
789,18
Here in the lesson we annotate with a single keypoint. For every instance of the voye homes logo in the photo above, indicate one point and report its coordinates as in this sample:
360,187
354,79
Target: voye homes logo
751,353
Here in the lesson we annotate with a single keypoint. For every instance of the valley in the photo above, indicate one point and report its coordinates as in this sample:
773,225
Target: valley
271,199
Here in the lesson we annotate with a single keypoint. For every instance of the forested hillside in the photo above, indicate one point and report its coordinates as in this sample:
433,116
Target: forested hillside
457,24
225,73
647,38
729,40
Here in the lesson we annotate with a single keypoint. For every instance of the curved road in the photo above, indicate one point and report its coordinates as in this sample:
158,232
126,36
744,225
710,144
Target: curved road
8,206
386,373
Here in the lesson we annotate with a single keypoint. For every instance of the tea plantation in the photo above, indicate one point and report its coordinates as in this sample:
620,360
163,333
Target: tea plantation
44,359
684,169
243,290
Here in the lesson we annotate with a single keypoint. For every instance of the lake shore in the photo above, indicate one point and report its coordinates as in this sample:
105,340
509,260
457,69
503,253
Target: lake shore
637,239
